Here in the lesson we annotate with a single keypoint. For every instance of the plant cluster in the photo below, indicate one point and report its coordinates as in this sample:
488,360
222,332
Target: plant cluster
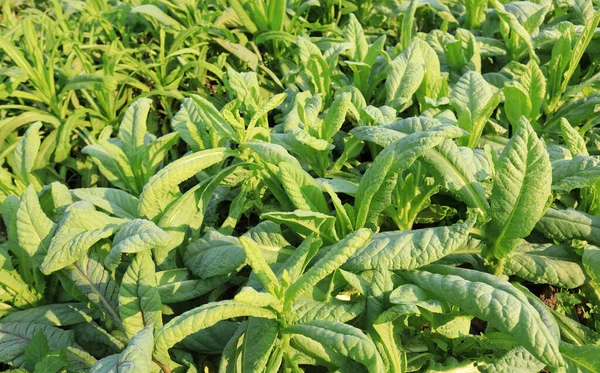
287,186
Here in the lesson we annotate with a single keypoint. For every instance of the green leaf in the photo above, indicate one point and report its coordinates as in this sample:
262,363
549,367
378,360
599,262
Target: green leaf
95,283
335,257
16,336
199,318
214,254
155,197
579,172
336,310
490,298
409,249
58,314
53,362
546,264
375,185
581,359
136,236
114,201
26,152
139,298
569,224
305,222
260,267
591,261
259,340
80,228
517,360
344,340
155,12
302,189
473,95
403,81
35,350
113,164
132,131
521,190
575,142
136,357
34,229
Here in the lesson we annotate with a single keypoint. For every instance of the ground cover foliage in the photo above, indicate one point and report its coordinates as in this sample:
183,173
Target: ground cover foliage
300,186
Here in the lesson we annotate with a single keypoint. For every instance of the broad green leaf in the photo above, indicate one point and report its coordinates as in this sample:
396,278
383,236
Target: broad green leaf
393,159
132,130
302,189
26,152
579,172
521,190
337,255
409,249
199,318
591,261
305,222
35,350
114,201
155,197
342,339
94,282
80,228
213,255
445,160
492,303
569,224
575,142
136,236
139,298
15,336
212,340
260,267
517,360
59,314
136,357
546,264
580,359
473,95
336,310
403,80
54,362
34,229
113,164
259,340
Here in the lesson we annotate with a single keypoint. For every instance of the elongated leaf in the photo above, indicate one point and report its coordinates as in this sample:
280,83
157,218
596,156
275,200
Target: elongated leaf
113,201
343,339
15,336
409,249
565,225
259,340
79,229
199,318
335,257
34,228
546,264
136,236
93,281
139,298
521,190
154,200
60,314
576,173
136,357
492,304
